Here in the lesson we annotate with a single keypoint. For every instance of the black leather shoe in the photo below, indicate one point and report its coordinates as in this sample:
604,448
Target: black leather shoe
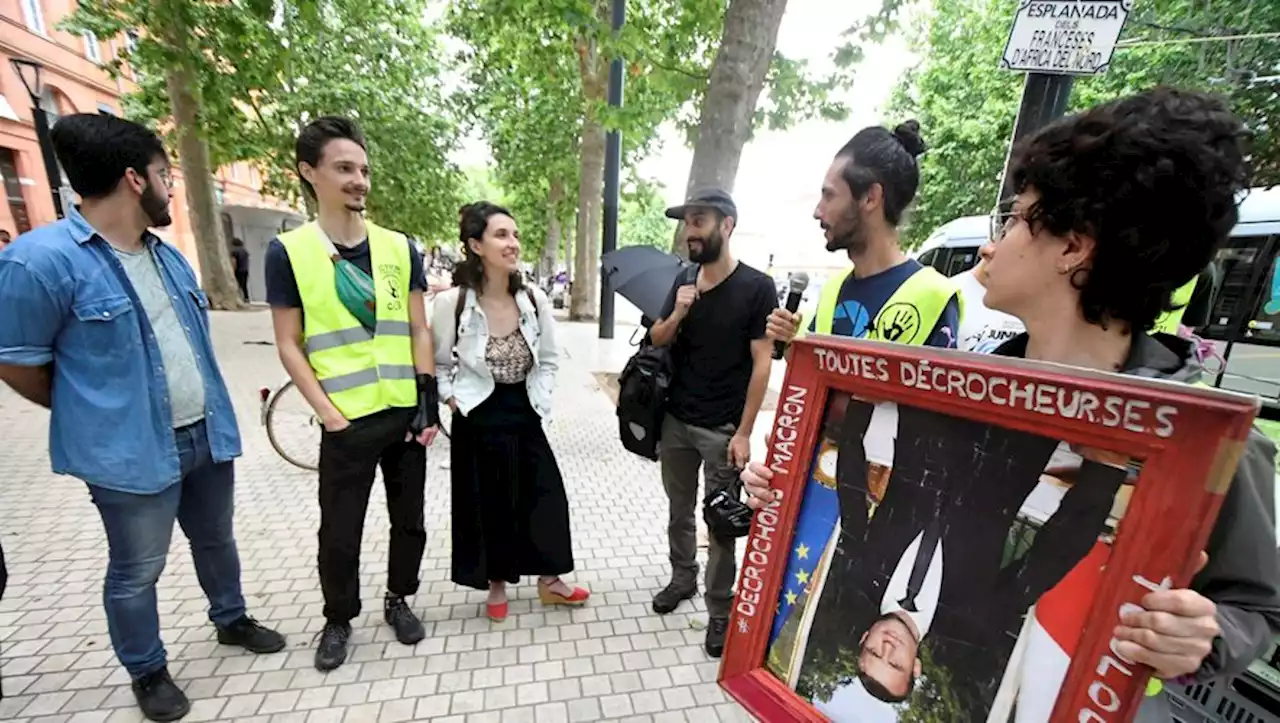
716,629
159,697
332,650
670,597
250,635
408,627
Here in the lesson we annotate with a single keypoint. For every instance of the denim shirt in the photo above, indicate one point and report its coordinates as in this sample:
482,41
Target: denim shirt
461,370
65,299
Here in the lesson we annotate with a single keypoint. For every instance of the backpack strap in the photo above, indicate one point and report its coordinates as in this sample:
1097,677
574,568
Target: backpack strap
457,312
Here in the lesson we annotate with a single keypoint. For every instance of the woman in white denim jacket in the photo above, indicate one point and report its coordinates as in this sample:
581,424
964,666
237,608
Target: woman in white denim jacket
495,366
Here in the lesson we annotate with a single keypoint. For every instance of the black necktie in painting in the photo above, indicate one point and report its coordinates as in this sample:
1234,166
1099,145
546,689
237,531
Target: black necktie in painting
924,555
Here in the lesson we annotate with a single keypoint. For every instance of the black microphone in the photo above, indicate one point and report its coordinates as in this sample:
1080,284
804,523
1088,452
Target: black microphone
798,281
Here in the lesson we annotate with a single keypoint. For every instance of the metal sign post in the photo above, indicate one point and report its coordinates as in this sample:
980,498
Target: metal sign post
1052,41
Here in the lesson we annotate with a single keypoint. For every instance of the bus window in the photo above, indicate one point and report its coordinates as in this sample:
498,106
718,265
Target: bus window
961,260
1238,261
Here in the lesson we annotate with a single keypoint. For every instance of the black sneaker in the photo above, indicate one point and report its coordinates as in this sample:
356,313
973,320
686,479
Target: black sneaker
670,597
409,630
332,650
248,634
716,628
159,697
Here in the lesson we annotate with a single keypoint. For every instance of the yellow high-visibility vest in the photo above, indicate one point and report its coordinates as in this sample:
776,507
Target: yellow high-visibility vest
908,316
362,371
1169,321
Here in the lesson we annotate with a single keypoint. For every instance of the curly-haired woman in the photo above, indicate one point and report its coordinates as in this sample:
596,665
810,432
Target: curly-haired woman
1116,208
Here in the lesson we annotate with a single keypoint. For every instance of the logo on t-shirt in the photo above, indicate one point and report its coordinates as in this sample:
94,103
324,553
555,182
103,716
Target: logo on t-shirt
857,316
898,321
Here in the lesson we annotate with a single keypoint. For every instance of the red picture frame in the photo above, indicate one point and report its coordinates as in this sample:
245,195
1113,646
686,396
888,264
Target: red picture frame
1167,425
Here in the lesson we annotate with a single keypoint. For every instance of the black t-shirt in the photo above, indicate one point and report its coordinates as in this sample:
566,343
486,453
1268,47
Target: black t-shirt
282,286
240,261
712,349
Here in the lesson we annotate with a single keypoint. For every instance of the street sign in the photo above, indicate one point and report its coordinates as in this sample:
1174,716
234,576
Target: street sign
1065,37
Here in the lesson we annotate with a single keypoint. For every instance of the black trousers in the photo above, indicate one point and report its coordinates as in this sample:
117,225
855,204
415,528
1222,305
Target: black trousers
243,281
4,580
348,460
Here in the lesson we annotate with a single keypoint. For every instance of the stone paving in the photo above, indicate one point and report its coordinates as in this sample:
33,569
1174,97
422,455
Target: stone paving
612,660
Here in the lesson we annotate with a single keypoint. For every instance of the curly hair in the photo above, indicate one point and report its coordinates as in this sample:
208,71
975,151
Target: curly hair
1154,179
878,155
469,272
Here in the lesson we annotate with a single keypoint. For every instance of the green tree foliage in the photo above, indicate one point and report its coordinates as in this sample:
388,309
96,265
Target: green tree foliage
262,68
536,73
966,104
642,219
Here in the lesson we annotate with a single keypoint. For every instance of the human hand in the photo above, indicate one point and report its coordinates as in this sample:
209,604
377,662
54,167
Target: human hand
425,437
739,451
782,325
453,405
755,480
685,296
1173,633
335,423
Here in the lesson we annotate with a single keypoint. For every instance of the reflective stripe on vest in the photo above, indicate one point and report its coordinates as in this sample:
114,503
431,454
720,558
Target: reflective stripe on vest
1169,321
361,371
908,316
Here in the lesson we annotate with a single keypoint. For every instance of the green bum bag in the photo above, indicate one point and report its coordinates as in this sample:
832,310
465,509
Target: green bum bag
354,287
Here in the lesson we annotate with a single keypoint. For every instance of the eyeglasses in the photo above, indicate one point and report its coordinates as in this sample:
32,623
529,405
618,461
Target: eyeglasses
1002,220
166,179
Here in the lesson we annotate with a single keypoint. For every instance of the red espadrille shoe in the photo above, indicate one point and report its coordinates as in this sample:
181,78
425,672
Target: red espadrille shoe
577,598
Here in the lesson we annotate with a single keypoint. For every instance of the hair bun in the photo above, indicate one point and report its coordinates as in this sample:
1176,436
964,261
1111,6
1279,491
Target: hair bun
908,134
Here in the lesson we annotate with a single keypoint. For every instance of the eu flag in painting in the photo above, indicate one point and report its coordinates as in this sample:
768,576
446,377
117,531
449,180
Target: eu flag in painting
819,514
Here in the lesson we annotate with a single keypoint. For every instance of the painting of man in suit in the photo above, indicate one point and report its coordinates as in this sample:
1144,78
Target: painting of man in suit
922,581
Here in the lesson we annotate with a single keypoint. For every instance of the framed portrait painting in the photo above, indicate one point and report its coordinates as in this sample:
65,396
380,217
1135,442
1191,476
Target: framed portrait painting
955,535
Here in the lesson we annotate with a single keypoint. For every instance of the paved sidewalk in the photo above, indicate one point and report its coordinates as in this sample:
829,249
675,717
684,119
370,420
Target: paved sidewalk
613,659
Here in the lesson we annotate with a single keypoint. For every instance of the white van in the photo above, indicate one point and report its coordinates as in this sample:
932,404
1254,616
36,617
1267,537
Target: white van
1245,320
953,248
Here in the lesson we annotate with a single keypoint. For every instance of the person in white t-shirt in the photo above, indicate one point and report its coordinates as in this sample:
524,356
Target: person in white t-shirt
982,329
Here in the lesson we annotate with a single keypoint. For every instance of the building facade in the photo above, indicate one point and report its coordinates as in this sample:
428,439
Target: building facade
74,81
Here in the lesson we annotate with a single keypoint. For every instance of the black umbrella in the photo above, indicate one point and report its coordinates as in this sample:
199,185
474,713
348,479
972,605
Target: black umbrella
642,275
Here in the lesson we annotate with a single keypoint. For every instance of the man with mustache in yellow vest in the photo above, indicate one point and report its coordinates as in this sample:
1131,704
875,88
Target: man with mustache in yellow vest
350,323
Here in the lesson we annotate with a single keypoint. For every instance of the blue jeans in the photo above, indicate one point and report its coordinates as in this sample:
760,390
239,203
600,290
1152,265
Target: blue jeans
139,528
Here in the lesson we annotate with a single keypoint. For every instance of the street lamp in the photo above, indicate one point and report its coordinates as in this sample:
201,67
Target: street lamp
29,72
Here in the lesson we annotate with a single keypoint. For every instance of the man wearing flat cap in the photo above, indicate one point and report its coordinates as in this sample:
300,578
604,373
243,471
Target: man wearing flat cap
714,323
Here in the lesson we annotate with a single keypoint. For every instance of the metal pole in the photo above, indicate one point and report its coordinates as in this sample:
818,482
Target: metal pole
612,171
1044,99
46,149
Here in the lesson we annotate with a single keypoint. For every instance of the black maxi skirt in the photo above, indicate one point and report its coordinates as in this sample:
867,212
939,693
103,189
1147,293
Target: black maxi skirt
510,513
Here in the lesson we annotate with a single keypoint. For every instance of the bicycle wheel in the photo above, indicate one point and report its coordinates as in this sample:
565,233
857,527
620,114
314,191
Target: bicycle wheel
293,428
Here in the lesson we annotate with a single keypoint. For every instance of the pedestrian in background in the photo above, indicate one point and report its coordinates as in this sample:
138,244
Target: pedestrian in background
240,264
350,323
496,352
107,327
715,327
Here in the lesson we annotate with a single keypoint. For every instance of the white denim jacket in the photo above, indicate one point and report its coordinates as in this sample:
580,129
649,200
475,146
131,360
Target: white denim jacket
469,381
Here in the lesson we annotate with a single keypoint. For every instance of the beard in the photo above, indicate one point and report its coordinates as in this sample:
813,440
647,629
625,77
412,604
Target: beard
156,206
849,235
709,248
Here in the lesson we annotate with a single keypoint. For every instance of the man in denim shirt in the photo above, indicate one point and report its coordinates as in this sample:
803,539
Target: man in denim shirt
106,326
